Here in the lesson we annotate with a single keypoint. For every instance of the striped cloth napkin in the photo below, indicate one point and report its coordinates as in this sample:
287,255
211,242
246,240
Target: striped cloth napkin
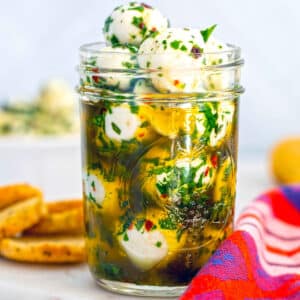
261,259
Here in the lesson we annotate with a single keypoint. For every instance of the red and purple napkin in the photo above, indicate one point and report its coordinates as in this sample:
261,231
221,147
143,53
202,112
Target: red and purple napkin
261,259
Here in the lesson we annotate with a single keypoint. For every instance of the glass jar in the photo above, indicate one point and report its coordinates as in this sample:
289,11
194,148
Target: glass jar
159,154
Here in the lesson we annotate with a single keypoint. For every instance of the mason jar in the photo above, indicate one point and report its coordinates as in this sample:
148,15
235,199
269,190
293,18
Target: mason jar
159,151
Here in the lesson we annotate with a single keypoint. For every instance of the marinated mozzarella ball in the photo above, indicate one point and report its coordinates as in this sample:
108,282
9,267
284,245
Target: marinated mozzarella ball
123,127
121,123
175,55
102,192
151,240
176,180
187,179
111,65
145,249
93,188
217,53
132,23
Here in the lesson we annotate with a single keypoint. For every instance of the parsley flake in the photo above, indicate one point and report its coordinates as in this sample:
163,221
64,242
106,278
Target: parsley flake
115,128
175,44
206,33
158,244
107,23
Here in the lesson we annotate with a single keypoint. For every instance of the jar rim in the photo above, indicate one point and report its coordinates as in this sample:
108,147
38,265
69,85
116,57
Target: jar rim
96,48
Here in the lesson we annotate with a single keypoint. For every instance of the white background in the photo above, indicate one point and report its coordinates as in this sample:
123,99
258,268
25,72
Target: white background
39,40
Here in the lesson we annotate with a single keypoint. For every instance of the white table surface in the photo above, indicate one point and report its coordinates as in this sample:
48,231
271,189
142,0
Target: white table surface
33,282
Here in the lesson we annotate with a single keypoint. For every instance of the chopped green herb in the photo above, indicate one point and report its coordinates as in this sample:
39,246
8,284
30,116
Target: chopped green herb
139,223
148,64
124,204
145,124
164,42
138,8
93,185
125,237
183,48
114,41
175,44
167,223
137,21
107,23
132,48
115,128
127,65
126,221
111,270
206,33
179,233
158,244
134,108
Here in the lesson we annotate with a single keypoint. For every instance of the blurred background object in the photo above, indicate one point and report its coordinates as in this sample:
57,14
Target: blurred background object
53,112
285,161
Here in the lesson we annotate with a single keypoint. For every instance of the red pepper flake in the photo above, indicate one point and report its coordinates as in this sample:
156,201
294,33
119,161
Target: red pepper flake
153,29
142,25
94,77
142,134
103,110
214,160
176,82
164,196
206,171
196,51
146,5
148,225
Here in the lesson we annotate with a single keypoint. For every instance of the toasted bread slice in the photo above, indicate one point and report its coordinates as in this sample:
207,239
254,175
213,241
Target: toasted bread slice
54,249
14,193
20,216
62,217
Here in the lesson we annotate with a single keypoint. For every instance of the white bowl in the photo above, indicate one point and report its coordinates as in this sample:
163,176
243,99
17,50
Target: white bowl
51,163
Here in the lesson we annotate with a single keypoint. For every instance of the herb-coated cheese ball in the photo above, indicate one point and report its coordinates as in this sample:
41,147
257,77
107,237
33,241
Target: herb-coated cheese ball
176,180
151,239
133,22
122,128
176,56
111,65
101,192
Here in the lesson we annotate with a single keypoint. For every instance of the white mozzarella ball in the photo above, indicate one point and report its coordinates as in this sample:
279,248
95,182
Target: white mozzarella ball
224,122
121,123
144,248
131,23
176,55
93,188
116,58
217,53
